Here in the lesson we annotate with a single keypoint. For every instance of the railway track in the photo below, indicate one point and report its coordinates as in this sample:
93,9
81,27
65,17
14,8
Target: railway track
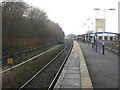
27,51
24,55
48,75
26,61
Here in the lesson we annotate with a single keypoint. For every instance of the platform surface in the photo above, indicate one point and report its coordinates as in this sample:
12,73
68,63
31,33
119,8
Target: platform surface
103,68
70,76
75,73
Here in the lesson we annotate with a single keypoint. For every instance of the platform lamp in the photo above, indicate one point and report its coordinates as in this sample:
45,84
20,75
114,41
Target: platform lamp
103,44
85,34
88,33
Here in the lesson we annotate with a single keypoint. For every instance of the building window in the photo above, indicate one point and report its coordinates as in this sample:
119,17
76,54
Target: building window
100,38
105,38
111,38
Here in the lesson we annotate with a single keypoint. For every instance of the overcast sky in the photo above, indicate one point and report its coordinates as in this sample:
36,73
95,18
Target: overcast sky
72,14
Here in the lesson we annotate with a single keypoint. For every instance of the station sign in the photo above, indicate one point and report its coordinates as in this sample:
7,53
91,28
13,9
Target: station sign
10,60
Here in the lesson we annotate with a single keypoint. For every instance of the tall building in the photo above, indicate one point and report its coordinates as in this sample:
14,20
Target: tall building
100,25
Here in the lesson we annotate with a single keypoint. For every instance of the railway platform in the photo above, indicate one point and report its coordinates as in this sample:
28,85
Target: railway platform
103,67
75,73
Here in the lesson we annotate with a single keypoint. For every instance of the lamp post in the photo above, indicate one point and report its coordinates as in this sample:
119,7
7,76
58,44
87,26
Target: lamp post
85,34
88,33
89,30
93,32
103,44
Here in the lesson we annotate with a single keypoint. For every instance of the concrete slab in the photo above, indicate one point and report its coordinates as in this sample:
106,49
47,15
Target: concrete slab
72,71
69,86
77,68
73,65
71,82
72,76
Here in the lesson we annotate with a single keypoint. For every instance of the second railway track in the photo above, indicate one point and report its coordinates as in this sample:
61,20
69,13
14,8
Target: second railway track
47,76
17,65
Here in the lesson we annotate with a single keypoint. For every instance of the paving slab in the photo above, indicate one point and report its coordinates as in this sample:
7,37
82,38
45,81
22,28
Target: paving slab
71,82
72,71
72,76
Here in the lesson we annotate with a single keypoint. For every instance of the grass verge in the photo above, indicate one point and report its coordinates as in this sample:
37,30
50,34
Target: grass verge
18,76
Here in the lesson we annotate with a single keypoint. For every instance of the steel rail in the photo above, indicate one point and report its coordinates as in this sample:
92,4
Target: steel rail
52,85
25,84
28,60
29,50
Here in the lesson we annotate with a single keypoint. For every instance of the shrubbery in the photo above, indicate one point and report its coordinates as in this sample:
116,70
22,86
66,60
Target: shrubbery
22,22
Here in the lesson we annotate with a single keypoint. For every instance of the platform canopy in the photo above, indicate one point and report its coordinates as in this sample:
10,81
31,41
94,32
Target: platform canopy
101,34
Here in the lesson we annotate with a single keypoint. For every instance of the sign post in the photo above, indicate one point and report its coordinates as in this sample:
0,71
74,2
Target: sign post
10,61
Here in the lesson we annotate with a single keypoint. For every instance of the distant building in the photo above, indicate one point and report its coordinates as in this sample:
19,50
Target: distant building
70,36
100,25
